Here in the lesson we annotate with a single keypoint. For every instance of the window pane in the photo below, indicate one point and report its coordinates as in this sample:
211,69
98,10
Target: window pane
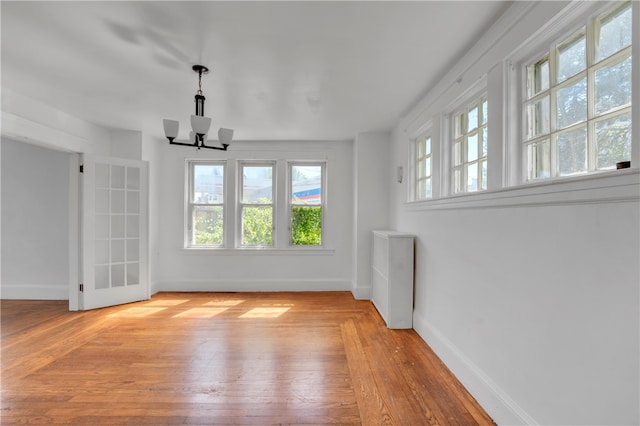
538,76
427,188
484,141
472,121
306,185
457,153
257,225
572,151
208,225
306,225
459,125
257,184
572,104
208,185
539,159
421,147
485,112
428,146
457,179
472,148
420,191
613,140
484,174
538,118
613,86
472,177
571,57
427,167
615,32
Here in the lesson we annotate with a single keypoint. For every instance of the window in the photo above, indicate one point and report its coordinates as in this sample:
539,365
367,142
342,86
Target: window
306,201
577,108
256,204
470,147
206,204
423,180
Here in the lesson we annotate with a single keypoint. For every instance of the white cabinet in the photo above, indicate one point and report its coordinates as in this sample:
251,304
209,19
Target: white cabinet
392,277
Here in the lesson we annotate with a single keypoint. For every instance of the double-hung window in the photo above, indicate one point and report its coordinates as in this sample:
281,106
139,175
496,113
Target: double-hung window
257,204
306,203
206,207
423,181
577,108
470,147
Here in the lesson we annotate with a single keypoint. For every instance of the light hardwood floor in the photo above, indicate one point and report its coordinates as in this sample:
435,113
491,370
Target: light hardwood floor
223,358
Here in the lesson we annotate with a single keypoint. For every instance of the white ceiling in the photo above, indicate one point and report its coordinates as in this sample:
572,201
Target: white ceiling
279,70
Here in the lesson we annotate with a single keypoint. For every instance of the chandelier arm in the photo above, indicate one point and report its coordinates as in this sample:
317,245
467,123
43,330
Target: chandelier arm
223,148
194,145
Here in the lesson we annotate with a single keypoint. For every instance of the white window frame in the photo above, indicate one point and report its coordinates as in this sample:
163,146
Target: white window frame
570,25
416,158
323,202
463,108
189,231
241,205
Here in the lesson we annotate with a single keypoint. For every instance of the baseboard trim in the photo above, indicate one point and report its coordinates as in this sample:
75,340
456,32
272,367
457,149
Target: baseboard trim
361,293
34,292
254,285
501,408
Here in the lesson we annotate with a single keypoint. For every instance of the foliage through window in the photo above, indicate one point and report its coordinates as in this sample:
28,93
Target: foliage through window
306,202
206,204
577,107
423,179
470,147
256,205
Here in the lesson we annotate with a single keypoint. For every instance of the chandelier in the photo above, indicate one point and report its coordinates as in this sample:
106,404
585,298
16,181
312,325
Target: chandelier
199,123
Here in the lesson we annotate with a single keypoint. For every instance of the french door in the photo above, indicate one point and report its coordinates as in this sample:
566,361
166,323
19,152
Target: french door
114,232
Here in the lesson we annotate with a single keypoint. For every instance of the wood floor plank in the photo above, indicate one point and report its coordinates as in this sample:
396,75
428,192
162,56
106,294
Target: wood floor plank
222,358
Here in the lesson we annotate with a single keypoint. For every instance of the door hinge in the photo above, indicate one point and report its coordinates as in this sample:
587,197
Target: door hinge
81,168
81,288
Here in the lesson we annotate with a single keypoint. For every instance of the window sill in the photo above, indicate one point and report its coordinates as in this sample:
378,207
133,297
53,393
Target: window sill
605,187
257,251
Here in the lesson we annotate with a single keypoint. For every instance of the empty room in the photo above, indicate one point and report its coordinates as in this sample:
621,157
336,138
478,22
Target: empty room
320,212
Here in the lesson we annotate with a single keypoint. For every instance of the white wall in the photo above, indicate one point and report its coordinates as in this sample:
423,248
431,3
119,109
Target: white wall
530,295
329,268
371,196
35,222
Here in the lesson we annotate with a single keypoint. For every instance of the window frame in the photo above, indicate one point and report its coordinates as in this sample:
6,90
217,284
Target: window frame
290,205
477,100
240,205
588,24
416,159
189,231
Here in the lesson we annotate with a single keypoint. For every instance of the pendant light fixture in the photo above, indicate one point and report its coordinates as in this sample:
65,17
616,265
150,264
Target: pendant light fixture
199,123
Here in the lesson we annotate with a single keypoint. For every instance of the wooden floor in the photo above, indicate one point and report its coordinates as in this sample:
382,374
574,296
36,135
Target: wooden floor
223,358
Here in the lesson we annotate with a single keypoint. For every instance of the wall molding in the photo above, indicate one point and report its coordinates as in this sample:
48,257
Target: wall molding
607,187
361,292
263,285
34,291
501,408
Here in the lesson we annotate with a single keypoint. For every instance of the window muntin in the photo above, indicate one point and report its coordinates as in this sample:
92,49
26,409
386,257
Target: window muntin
256,206
306,203
423,180
470,147
206,207
577,111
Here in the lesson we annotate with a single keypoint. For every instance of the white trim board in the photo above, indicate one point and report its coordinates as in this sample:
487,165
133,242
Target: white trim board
502,409
268,285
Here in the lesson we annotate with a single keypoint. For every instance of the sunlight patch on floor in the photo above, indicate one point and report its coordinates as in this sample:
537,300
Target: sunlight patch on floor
166,302
200,313
224,303
137,312
264,313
